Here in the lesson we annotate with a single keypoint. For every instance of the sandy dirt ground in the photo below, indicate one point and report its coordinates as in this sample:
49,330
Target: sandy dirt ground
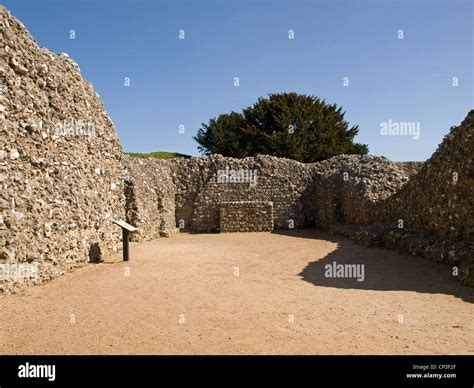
246,293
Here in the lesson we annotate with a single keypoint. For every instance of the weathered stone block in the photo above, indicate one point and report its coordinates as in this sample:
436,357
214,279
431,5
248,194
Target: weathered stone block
246,216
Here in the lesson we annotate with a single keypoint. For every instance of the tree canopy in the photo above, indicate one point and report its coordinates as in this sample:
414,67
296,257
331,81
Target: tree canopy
290,125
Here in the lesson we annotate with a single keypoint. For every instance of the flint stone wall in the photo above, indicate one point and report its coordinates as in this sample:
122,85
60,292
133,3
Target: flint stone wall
453,253
246,216
347,188
280,181
352,194
439,200
60,164
432,215
150,198
63,181
200,187
342,189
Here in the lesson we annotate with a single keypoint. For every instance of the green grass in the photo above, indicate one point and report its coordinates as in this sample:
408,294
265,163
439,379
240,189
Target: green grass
157,155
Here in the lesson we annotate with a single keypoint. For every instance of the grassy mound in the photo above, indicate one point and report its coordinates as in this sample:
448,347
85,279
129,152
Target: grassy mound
157,155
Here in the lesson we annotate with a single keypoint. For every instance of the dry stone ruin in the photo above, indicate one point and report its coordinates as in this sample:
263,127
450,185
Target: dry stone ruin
65,179
60,157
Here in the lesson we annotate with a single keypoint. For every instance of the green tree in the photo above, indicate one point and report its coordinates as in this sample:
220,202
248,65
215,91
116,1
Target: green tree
289,125
224,135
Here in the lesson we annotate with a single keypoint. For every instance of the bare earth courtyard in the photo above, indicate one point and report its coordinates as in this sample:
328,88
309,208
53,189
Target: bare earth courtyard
244,293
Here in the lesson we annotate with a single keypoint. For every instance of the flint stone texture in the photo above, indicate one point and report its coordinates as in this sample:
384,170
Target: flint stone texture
246,216
280,181
346,188
353,194
341,189
439,200
60,168
64,179
150,199
458,255
199,187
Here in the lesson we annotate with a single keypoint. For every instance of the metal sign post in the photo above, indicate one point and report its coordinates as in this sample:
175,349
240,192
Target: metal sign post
126,229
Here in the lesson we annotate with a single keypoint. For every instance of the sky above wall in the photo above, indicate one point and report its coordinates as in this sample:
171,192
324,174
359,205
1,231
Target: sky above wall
389,64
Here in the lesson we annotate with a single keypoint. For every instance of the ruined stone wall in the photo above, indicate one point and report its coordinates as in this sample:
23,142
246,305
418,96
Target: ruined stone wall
434,198
204,185
64,179
347,188
454,253
246,216
432,215
201,184
439,200
60,167
355,195
189,176
150,196
342,189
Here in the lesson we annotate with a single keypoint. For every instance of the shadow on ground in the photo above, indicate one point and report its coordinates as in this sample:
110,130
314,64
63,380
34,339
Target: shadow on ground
384,270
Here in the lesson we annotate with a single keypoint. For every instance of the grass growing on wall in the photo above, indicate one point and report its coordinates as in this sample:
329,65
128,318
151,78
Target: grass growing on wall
157,155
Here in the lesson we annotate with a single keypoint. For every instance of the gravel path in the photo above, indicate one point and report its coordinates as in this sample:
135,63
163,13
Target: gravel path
251,293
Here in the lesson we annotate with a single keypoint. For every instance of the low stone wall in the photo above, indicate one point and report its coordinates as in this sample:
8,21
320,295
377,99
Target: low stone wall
458,255
246,216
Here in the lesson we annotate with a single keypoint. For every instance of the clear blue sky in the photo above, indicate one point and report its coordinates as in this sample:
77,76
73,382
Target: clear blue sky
188,81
